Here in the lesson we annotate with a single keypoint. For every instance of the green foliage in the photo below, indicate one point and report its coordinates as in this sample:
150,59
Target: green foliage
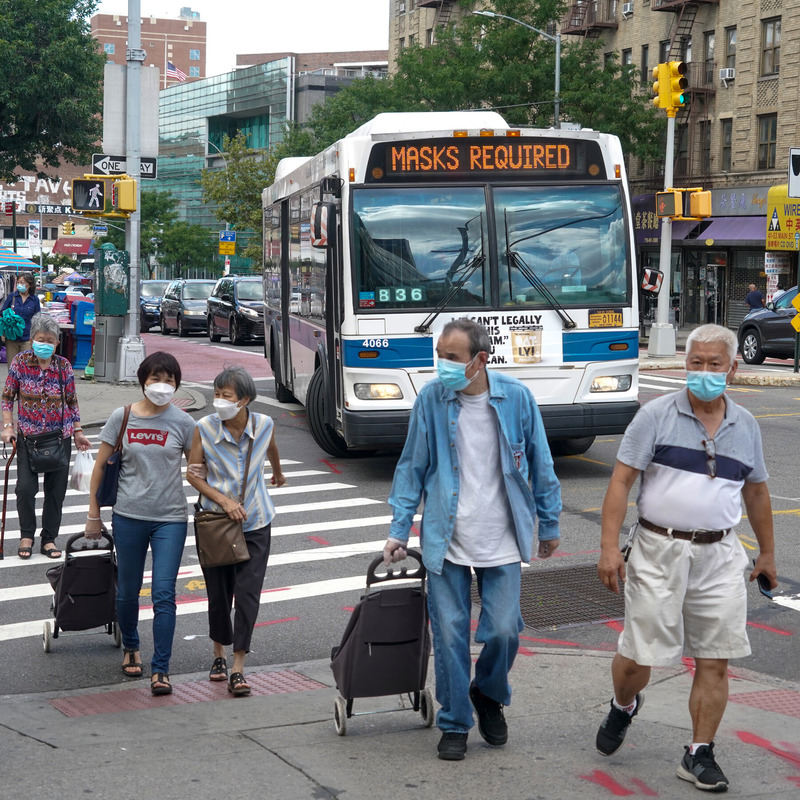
185,246
51,77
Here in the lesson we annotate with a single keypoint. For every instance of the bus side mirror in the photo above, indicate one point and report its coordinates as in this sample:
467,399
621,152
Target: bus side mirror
651,281
323,217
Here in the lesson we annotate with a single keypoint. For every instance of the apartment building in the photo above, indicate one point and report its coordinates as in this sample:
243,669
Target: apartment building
732,136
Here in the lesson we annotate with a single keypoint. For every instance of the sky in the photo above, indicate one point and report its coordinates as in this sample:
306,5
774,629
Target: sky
270,26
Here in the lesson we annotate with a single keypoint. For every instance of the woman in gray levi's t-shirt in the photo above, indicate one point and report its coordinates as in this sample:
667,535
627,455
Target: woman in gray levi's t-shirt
150,512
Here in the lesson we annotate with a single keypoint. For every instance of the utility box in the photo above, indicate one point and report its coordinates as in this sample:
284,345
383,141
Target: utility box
112,283
108,331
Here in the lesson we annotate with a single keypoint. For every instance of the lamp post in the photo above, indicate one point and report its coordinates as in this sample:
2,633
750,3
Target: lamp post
556,39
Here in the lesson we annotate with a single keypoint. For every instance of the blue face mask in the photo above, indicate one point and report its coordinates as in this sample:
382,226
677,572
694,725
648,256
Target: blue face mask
706,386
22,288
43,350
453,374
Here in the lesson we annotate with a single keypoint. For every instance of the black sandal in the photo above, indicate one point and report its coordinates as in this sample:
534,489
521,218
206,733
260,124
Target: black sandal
134,665
163,678
24,552
219,670
50,552
237,685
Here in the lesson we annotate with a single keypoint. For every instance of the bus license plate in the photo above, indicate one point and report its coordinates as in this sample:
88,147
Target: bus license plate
605,319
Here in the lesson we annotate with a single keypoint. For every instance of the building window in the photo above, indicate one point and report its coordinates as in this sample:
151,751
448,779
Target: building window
682,150
730,47
402,43
770,46
194,72
686,50
108,48
705,147
767,137
411,39
645,65
429,37
663,51
727,142
627,58
607,59
194,55
708,55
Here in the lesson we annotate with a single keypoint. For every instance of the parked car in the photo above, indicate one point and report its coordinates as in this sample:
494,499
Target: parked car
236,309
768,331
183,307
150,293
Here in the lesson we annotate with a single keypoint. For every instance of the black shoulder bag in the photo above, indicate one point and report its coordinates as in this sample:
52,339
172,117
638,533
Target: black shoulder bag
49,451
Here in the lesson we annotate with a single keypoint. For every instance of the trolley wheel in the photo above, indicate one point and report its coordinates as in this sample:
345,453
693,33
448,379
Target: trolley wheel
339,715
46,637
117,635
426,707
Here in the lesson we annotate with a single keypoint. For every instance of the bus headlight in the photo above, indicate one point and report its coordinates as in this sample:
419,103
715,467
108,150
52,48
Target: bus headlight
611,383
378,391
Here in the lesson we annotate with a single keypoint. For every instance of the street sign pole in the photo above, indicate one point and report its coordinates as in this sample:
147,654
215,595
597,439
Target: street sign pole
130,350
662,334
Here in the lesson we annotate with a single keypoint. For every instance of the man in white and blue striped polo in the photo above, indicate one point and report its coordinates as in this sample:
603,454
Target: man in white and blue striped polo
698,455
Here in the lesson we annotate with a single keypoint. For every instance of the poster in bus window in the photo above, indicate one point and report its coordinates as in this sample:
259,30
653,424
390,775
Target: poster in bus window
518,339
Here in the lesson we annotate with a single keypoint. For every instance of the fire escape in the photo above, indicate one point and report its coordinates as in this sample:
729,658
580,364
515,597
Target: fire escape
692,124
444,12
590,17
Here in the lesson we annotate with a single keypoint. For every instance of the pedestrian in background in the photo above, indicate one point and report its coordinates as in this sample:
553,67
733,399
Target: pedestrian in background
754,299
477,453
217,467
43,385
150,512
778,292
23,302
698,454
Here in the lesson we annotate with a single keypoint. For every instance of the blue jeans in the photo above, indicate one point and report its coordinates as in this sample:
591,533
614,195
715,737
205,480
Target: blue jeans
166,541
499,626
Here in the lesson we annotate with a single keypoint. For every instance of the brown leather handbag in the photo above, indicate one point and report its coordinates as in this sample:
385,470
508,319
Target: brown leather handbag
219,539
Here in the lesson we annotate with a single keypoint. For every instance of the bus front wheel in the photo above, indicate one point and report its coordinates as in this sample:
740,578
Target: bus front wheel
327,438
571,447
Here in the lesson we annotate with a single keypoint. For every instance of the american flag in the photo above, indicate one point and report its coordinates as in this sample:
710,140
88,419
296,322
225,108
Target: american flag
175,72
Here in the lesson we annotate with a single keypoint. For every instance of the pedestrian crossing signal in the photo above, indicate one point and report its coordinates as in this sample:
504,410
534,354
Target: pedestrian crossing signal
88,195
669,203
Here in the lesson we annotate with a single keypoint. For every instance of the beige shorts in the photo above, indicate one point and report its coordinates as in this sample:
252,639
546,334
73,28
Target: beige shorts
683,598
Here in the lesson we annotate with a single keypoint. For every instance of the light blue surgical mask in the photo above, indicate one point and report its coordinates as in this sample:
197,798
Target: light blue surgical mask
22,288
453,374
706,386
43,350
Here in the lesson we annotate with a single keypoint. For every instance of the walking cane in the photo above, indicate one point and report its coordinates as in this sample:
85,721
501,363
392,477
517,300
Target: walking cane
5,494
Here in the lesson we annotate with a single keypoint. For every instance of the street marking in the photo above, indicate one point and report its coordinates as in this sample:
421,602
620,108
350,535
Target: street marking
272,402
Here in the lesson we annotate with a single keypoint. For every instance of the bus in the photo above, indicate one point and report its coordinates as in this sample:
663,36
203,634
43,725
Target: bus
415,219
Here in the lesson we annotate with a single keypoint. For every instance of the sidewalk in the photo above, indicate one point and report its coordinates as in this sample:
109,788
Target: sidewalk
281,744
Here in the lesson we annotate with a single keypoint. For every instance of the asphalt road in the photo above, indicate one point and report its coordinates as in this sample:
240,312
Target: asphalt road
332,519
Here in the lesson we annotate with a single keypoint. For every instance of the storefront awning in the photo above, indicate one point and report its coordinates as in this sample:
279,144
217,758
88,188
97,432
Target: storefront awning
736,229
73,246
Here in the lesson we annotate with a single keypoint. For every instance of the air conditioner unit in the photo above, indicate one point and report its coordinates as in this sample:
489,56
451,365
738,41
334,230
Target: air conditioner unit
727,74
627,9
402,8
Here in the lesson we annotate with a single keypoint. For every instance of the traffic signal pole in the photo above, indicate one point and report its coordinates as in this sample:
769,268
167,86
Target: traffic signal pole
130,350
662,333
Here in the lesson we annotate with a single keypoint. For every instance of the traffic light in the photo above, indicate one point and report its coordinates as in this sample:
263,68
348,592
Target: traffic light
67,228
676,70
88,195
661,86
123,195
700,204
669,203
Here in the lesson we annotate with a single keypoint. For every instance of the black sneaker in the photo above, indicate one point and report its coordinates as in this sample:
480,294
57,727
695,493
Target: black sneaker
452,746
702,770
491,722
612,731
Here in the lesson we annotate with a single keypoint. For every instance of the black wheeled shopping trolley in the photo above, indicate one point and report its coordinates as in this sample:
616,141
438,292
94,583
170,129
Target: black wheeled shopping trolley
386,645
85,587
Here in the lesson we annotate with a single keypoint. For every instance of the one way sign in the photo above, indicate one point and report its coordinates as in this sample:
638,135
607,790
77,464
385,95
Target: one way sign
116,165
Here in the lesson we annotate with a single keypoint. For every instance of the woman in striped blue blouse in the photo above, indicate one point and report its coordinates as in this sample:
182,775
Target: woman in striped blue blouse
217,466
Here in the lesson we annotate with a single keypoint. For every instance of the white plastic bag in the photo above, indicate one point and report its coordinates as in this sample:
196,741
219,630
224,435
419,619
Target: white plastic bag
81,476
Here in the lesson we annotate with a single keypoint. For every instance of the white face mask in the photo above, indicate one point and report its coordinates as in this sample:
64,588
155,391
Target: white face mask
159,393
225,408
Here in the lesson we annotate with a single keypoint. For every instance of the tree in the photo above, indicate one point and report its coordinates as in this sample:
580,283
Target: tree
51,77
185,246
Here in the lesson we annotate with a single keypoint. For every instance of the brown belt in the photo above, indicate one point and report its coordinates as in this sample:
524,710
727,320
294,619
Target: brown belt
696,537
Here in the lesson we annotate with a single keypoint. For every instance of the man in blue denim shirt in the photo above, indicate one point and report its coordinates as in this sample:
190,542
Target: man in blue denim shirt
476,445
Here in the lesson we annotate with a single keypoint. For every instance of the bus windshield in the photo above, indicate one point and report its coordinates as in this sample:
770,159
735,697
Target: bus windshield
413,247
572,238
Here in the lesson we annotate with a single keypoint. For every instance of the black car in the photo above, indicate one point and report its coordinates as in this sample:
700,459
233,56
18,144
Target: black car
150,293
236,309
183,307
769,331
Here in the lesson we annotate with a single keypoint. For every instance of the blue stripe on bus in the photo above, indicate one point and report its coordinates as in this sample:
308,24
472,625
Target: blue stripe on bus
594,345
397,354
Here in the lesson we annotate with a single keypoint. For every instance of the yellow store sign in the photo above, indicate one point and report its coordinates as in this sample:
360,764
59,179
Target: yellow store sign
783,220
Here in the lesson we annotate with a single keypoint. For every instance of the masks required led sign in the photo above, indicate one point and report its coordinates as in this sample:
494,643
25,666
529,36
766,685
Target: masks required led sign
506,158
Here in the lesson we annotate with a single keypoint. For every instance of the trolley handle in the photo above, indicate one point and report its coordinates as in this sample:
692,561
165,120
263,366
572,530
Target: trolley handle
90,544
414,573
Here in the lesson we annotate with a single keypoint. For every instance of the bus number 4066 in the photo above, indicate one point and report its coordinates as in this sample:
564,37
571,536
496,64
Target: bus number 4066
375,343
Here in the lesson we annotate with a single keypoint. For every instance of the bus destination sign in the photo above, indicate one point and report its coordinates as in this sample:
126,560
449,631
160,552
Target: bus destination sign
487,158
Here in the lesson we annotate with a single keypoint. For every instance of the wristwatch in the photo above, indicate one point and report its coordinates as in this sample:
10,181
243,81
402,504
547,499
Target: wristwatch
8,425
